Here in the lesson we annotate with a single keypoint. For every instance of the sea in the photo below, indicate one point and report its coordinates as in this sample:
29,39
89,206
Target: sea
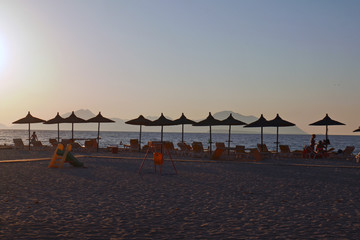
296,142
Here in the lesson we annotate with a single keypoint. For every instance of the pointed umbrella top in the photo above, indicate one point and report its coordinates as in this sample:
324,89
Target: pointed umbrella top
183,120
28,119
99,119
357,130
56,119
74,119
261,122
209,121
162,121
139,121
326,121
279,122
230,120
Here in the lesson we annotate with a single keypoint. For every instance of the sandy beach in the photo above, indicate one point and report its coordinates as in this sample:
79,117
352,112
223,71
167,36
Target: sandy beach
272,199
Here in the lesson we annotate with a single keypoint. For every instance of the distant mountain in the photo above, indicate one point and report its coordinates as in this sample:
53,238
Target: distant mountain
120,125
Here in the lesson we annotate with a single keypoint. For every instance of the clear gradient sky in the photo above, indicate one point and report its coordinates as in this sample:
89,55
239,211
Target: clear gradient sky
124,58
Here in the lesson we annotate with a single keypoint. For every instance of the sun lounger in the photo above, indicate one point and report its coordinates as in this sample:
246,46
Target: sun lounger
262,148
91,144
184,149
346,154
198,150
134,145
217,153
19,144
240,152
285,152
53,142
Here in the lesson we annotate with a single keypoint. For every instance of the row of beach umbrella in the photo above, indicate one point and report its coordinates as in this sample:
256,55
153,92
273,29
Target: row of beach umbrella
163,121
28,119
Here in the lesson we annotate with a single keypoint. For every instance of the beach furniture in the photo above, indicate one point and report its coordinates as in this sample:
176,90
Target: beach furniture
53,142
18,143
217,153
198,150
262,148
286,152
91,144
220,145
240,152
346,154
134,145
184,149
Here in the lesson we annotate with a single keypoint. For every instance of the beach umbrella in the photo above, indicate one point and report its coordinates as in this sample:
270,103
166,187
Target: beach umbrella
183,120
357,130
140,121
99,119
73,119
261,123
230,121
209,121
162,121
279,122
326,121
56,120
28,119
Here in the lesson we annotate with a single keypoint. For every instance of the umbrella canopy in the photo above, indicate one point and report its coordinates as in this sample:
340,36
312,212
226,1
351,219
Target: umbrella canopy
162,121
230,120
28,119
99,119
73,119
140,121
326,121
56,120
183,120
209,121
261,123
357,130
279,122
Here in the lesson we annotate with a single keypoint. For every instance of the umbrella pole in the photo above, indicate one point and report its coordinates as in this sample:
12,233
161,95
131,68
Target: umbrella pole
162,138
277,139
210,140
326,137
72,131
262,139
58,132
140,139
98,137
229,140
182,133
29,136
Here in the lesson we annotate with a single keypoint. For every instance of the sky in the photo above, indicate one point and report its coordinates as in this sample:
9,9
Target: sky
130,57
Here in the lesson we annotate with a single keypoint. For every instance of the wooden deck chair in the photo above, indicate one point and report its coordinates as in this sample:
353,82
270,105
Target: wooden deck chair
255,155
346,154
220,145
91,144
134,145
286,152
170,147
53,142
19,144
183,149
198,150
240,152
217,153
262,148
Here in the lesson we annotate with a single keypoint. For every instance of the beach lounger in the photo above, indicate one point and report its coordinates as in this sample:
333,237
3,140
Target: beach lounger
53,142
198,150
19,144
184,149
217,153
346,154
240,152
285,152
91,144
134,145
262,148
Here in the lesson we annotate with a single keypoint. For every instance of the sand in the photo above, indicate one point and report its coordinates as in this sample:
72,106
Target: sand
274,199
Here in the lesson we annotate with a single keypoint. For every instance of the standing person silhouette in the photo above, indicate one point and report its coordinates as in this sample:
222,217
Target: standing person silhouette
313,142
